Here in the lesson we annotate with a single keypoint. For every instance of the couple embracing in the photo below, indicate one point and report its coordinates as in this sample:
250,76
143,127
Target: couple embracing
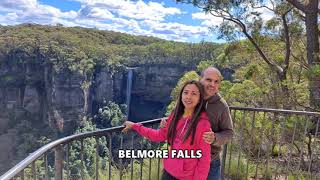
200,121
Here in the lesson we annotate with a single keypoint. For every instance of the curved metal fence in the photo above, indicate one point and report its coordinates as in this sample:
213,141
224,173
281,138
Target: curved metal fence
268,144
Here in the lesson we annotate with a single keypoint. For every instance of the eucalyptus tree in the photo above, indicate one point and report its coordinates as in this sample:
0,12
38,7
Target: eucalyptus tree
247,19
309,10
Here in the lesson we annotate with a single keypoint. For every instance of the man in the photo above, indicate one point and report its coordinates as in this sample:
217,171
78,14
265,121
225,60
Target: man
220,119
219,116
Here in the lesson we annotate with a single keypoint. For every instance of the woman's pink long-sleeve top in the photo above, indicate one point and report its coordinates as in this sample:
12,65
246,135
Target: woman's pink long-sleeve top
192,168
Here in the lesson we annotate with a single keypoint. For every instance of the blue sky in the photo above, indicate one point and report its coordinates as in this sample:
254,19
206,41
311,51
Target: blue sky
164,19
160,18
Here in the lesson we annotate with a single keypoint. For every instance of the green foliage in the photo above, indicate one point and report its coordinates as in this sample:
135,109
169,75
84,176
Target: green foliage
251,70
238,171
247,66
85,125
267,137
314,71
85,85
145,163
225,86
223,56
80,49
267,44
89,152
246,93
204,65
111,114
31,137
40,170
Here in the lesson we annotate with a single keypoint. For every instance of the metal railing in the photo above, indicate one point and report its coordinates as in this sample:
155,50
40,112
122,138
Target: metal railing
273,144
268,144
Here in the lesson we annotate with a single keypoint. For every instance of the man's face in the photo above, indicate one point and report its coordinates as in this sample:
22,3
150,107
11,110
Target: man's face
211,82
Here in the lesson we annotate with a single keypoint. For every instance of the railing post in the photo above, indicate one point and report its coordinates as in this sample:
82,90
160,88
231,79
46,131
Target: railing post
290,159
58,162
82,160
22,175
224,156
97,158
46,168
33,167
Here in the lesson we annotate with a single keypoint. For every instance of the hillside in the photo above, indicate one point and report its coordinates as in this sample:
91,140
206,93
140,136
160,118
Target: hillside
52,76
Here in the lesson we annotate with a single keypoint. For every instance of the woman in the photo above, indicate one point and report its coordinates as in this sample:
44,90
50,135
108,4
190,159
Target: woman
184,130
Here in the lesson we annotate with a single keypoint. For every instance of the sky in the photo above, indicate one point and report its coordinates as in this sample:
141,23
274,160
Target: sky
164,19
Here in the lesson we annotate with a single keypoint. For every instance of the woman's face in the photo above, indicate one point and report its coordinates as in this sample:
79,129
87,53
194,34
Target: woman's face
190,96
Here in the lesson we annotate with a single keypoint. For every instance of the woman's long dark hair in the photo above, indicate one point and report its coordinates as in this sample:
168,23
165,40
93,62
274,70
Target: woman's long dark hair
179,110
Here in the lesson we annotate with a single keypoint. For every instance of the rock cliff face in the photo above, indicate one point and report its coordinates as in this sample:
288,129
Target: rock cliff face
51,76
41,99
56,99
151,90
150,93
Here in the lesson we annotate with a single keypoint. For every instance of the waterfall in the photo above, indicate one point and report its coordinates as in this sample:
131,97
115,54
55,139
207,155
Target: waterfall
129,87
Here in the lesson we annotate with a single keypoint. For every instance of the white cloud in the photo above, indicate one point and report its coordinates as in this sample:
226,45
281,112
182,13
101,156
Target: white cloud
33,8
134,17
210,20
96,24
207,19
9,19
266,14
8,5
96,13
175,31
52,11
137,10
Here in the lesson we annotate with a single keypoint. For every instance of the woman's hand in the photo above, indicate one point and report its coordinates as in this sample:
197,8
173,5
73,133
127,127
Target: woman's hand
163,123
127,125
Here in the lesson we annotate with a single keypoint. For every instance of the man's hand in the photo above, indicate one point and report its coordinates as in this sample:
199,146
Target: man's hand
209,137
127,125
163,123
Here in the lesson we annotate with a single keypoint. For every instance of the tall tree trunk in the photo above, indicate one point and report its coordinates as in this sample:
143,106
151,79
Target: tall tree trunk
311,12
286,102
310,8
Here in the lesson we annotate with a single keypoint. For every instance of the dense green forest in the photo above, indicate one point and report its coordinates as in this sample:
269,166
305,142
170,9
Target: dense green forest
286,45
81,49
37,62
276,65
272,64
254,83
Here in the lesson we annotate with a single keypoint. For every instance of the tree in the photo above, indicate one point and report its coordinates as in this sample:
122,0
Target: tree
111,114
89,152
244,18
310,9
